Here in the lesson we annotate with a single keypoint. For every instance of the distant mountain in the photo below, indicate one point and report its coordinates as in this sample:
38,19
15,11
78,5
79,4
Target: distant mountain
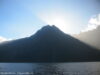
91,37
49,44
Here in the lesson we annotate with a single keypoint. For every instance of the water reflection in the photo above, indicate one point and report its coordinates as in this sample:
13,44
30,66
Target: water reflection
48,69
86,68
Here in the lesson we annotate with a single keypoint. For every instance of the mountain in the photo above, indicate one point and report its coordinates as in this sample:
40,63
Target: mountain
91,37
49,44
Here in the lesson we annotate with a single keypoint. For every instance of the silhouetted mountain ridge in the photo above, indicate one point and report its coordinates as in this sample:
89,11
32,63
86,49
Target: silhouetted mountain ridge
48,30
49,44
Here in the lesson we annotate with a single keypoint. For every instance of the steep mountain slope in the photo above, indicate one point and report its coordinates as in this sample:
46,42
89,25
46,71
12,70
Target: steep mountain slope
91,37
49,44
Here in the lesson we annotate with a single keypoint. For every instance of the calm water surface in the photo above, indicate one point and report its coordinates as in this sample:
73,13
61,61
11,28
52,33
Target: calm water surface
79,68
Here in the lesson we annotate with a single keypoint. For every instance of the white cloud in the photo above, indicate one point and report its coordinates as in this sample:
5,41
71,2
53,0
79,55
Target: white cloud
93,23
2,39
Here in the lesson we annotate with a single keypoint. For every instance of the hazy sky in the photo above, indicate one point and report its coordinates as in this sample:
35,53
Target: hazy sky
21,18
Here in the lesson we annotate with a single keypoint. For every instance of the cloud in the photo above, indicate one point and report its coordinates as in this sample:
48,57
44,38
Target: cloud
93,23
2,39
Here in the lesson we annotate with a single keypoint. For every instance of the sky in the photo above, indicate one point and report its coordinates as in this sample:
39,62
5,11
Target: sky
22,18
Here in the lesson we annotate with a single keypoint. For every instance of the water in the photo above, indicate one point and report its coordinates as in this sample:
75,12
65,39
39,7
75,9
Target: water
78,68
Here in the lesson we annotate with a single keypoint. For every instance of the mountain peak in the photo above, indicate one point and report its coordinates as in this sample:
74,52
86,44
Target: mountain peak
48,27
49,44
48,31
